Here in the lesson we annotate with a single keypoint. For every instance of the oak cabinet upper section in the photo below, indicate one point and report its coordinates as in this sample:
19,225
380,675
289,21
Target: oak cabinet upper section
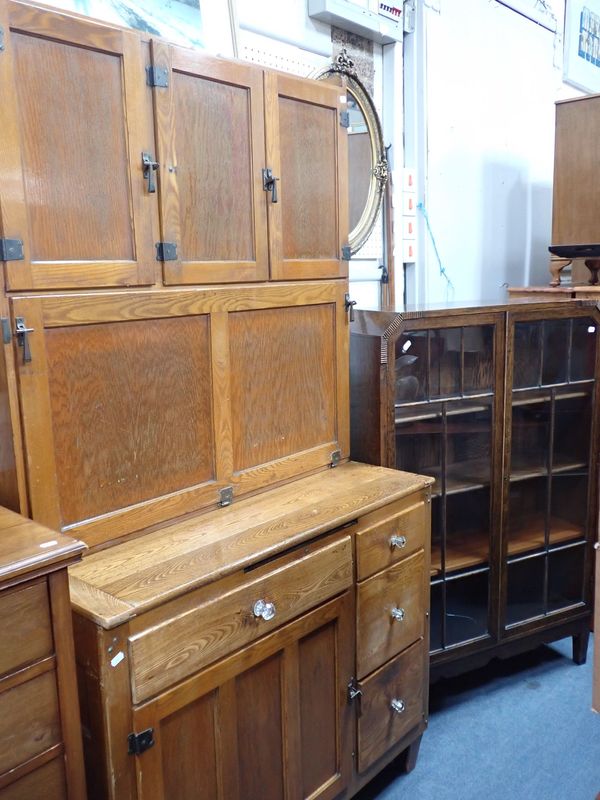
119,155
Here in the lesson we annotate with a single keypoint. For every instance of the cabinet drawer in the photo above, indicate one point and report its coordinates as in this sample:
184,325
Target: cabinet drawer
29,720
391,610
389,540
25,625
178,646
381,724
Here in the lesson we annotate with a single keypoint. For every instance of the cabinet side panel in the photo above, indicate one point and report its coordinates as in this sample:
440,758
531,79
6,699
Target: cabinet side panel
260,720
9,490
188,750
283,377
366,412
131,412
576,192
318,708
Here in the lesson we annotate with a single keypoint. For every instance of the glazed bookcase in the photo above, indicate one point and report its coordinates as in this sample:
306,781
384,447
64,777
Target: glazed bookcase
499,405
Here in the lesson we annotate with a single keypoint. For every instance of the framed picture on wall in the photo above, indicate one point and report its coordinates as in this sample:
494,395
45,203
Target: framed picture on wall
582,45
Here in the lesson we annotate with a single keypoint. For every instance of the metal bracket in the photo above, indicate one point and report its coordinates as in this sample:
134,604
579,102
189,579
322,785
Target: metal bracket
354,693
166,251
346,253
11,250
22,333
157,77
140,742
410,15
345,119
6,331
1,39
336,457
226,496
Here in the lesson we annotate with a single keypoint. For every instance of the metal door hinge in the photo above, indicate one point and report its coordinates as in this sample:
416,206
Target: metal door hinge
226,496
346,253
22,333
336,457
1,39
157,77
6,332
11,250
345,119
140,742
166,251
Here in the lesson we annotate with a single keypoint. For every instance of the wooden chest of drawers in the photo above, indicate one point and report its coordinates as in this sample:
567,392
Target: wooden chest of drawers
40,741
238,655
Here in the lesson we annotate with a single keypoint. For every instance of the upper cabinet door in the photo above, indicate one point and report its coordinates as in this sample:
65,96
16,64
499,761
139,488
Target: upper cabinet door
210,137
307,153
73,134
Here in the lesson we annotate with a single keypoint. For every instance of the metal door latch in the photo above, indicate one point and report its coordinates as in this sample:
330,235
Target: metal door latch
270,183
22,333
349,306
150,166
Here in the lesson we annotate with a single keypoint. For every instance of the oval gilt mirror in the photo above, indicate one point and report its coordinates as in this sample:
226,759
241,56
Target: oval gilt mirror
367,163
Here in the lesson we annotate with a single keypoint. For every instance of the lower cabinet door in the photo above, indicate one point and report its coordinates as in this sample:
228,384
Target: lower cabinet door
271,721
393,702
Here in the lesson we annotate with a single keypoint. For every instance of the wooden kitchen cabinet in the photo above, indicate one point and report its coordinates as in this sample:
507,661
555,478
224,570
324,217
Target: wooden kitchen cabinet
40,740
446,393
217,694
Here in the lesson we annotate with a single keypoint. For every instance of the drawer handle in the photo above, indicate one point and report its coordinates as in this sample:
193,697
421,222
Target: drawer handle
264,610
398,541
397,706
398,614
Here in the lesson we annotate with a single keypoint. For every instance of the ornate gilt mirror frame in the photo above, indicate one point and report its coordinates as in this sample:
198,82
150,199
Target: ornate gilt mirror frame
342,71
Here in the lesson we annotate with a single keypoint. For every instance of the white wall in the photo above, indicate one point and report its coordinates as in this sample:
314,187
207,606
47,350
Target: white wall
492,77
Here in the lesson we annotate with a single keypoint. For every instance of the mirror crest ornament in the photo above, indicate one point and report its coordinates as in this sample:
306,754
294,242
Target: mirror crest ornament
342,71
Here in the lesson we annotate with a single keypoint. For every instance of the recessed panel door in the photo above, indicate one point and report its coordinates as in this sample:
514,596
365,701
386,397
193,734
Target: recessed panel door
75,208
210,135
307,152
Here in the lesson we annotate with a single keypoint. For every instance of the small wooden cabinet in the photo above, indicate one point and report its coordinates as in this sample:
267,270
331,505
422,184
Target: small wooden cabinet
239,657
499,406
40,740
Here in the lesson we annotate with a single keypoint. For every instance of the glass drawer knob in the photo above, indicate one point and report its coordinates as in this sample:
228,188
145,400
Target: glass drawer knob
398,541
398,614
397,706
264,610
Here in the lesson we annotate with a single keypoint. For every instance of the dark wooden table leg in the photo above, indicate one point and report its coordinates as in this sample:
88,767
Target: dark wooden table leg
593,264
412,752
580,646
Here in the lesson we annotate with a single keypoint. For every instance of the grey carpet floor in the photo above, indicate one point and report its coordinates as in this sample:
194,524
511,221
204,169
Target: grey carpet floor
520,729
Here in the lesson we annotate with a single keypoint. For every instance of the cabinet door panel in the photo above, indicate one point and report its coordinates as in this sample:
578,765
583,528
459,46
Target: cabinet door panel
118,416
270,721
210,135
77,197
307,151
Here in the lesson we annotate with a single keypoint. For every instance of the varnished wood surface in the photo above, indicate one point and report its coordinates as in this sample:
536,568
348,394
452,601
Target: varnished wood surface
379,725
576,190
47,781
183,644
260,716
142,573
374,552
25,625
27,547
379,635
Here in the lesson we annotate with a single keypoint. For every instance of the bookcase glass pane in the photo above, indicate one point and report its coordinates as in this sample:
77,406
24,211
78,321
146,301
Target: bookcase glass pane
583,351
437,534
527,508
436,615
527,354
478,359
445,362
468,529
572,427
530,437
565,577
419,446
525,589
555,350
467,607
568,506
411,367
